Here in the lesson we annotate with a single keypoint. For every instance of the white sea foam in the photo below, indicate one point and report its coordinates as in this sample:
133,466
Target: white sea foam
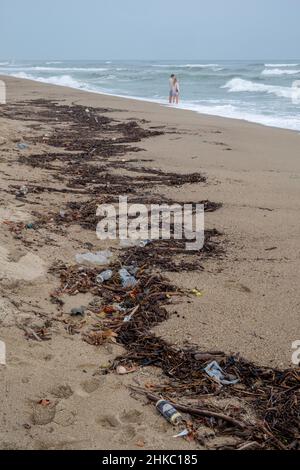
275,72
232,112
238,85
186,65
62,80
282,65
58,69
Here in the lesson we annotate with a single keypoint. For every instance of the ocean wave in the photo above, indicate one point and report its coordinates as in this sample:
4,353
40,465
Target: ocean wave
275,72
282,65
233,112
54,62
239,85
186,65
62,80
59,69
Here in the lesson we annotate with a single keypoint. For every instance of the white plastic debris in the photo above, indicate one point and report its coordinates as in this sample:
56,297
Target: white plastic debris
127,279
22,146
104,276
100,257
131,243
129,317
183,433
216,372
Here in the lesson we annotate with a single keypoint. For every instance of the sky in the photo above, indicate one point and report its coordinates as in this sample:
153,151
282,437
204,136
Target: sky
149,29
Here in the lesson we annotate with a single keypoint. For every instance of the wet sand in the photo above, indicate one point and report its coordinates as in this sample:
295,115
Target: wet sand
250,302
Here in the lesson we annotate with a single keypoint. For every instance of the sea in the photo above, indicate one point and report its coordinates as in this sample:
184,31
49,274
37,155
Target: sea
265,92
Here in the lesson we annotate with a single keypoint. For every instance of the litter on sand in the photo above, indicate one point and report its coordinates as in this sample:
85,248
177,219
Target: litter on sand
104,276
196,293
169,412
121,370
183,433
216,372
100,257
129,317
22,146
127,280
128,243
78,311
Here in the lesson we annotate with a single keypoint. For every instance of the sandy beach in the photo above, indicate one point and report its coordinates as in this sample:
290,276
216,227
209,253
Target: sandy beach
54,392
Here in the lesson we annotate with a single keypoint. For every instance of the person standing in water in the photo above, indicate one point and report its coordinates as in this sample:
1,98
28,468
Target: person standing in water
174,90
171,81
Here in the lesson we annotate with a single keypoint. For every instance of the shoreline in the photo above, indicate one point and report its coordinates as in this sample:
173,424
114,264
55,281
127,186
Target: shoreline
250,295
161,103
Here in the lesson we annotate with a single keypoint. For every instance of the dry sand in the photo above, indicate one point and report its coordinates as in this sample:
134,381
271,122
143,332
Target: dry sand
250,303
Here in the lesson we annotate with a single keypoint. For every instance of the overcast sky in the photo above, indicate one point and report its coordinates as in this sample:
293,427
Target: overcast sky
150,29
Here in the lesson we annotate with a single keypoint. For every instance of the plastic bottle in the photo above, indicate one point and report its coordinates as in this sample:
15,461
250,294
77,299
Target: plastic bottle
126,279
104,276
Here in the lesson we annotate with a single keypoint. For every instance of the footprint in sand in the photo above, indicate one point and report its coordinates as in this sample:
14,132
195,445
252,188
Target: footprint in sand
62,391
108,421
126,427
132,417
42,415
237,286
89,386
28,268
64,415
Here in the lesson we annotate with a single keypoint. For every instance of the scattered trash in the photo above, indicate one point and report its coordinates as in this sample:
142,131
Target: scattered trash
100,257
169,412
183,433
130,243
215,372
119,308
62,213
104,276
144,243
127,280
121,370
196,293
22,191
77,311
132,269
30,226
22,146
2,353
129,317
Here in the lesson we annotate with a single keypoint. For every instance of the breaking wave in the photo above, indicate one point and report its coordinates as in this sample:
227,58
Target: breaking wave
238,85
275,72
